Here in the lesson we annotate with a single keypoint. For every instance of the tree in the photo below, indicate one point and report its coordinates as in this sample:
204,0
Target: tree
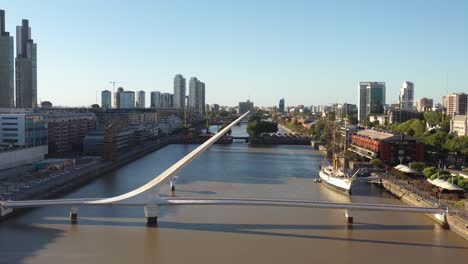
376,163
429,171
419,166
353,119
458,145
256,128
223,113
463,183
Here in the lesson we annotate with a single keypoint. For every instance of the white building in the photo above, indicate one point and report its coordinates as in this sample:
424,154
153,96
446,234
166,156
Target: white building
127,99
459,125
407,96
106,99
141,99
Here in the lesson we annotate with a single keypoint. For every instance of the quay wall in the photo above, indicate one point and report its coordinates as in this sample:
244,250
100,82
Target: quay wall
454,222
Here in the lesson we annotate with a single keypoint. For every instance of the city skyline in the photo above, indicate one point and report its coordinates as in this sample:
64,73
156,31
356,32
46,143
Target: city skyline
303,55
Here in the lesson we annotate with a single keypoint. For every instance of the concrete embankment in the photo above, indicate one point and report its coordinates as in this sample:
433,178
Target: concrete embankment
279,140
454,222
68,183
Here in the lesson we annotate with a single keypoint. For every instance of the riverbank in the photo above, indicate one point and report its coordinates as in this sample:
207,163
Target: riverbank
455,223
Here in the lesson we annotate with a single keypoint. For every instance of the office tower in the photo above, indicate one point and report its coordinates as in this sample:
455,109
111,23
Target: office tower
7,86
281,105
179,91
167,100
407,96
457,103
26,67
371,99
140,99
424,104
106,96
127,99
155,98
117,97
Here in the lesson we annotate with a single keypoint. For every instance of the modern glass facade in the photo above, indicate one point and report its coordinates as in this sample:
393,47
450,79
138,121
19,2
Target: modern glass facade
6,66
23,130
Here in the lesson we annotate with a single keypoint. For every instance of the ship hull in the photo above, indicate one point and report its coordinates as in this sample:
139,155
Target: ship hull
332,185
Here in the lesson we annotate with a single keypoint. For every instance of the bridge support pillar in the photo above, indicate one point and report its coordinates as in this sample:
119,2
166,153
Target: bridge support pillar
74,214
151,214
349,217
172,184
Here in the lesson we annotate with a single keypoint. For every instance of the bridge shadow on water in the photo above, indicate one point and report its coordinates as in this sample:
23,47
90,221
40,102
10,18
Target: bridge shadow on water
278,230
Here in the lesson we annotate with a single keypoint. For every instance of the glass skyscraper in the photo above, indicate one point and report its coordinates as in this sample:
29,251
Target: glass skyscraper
6,66
26,67
179,91
371,99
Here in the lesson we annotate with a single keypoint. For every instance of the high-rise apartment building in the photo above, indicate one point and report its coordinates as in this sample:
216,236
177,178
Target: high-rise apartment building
166,100
371,99
117,97
141,99
424,104
127,99
196,96
106,101
179,91
7,86
26,67
245,106
281,105
155,98
407,96
457,103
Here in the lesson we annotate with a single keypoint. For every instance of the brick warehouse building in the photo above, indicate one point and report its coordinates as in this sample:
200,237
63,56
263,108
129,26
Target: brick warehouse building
390,148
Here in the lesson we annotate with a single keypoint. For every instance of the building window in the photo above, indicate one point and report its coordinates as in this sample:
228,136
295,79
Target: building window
9,124
10,129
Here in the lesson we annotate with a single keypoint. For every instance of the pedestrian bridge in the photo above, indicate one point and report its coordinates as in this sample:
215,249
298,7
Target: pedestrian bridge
148,197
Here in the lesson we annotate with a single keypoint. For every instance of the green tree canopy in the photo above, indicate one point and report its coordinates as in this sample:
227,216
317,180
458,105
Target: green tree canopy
256,128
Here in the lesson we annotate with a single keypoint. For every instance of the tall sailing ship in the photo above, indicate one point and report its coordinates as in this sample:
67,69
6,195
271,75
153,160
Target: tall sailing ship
336,175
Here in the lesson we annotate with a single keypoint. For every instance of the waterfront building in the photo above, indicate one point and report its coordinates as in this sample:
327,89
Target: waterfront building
179,91
169,124
106,101
155,98
459,125
371,99
139,118
245,106
117,97
26,67
457,103
281,105
407,96
66,130
6,66
424,104
141,99
127,99
390,148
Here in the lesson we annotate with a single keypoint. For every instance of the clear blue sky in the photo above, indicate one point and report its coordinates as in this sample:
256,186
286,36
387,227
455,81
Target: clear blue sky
310,52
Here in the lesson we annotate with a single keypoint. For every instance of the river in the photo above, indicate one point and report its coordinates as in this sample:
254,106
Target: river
220,234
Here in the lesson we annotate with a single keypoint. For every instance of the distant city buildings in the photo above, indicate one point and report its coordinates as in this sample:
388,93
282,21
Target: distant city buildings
245,106
106,101
166,100
117,97
424,104
179,91
127,99
407,96
140,103
457,103
281,105
26,67
6,66
371,99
